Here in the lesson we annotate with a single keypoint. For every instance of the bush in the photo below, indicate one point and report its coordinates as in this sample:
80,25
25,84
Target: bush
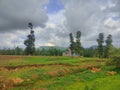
116,61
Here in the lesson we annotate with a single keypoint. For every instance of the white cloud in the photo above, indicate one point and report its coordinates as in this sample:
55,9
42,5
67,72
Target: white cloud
10,40
55,33
90,17
110,23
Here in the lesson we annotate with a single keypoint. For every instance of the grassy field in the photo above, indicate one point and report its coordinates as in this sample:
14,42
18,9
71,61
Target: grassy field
57,73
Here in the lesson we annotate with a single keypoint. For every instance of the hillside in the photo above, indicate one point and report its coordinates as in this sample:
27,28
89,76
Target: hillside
48,47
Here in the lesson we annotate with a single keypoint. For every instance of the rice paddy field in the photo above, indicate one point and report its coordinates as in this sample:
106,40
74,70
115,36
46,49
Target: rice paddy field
57,73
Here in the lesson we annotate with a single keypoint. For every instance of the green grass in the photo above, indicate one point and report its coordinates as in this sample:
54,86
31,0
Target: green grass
58,73
106,83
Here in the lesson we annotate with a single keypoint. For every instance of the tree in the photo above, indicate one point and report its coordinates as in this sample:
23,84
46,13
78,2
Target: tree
78,46
89,52
72,43
18,51
100,41
29,42
108,45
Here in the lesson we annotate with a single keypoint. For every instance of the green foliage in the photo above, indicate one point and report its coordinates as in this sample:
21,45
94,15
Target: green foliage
100,41
59,73
72,43
29,42
86,88
116,61
89,52
78,47
14,51
52,51
30,25
19,51
114,51
108,46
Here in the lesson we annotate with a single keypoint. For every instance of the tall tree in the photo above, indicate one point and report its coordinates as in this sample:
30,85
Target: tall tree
72,43
108,42
29,42
78,47
100,41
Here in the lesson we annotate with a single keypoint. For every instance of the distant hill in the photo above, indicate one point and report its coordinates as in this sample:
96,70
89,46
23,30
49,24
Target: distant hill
48,47
94,47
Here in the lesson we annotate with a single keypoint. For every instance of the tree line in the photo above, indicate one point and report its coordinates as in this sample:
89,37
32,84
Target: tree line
30,47
52,51
101,51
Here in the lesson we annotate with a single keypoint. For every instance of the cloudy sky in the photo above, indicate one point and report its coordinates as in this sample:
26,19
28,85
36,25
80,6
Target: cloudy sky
53,20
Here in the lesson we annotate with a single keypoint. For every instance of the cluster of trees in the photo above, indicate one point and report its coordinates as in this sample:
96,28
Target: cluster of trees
90,52
30,47
101,51
52,51
75,47
104,50
14,51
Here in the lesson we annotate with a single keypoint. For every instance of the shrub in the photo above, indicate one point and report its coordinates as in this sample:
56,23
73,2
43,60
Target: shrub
116,61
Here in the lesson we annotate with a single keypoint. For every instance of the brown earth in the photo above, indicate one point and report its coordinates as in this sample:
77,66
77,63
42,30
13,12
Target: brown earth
41,89
33,66
17,81
111,72
94,70
10,57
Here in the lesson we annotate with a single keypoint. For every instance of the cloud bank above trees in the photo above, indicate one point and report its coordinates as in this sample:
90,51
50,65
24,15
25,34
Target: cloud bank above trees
91,17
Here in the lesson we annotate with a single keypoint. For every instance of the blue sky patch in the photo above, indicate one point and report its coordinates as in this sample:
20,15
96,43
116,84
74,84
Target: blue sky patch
54,6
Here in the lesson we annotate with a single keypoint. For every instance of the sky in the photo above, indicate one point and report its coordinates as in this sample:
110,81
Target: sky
53,20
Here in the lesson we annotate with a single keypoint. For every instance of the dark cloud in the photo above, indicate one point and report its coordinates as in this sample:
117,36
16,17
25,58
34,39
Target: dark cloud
15,14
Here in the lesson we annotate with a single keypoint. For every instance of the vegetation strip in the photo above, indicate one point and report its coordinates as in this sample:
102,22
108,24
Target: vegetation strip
36,65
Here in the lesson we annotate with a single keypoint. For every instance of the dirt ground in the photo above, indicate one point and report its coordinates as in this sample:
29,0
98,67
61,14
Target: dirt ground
10,57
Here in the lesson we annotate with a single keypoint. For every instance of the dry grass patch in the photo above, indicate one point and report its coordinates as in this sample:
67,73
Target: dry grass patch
41,89
35,76
3,69
10,57
111,72
17,81
60,72
94,70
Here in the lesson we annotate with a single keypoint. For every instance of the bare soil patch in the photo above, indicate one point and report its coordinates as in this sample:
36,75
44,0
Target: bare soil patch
111,72
33,66
10,57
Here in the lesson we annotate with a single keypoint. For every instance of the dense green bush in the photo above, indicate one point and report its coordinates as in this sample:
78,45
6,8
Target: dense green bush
114,61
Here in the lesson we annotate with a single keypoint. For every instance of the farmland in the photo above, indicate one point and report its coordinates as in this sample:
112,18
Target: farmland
57,73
